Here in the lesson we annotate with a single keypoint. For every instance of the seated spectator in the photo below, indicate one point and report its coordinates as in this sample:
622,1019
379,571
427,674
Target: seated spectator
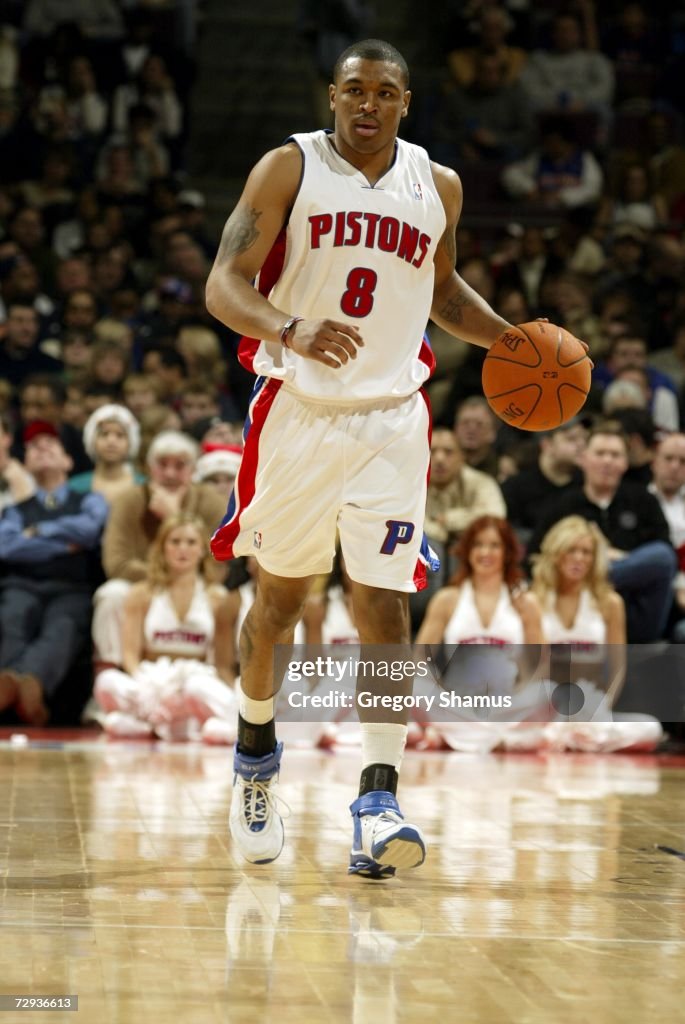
558,175
633,201
141,391
153,421
133,524
198,400
475,427
487,120
483,604
671,361
457,494
46,546
627,351
625,269
527,265
218,466
668,487
15,483
109,364
556,470
494,26
42,396
169,369
582,611
201,350
154,88
51,193
20,356
111,438
178,652
566,77
642,561
641,433
661,403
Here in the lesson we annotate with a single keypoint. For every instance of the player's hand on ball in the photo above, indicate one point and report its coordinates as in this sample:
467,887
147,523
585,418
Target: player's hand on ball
326,341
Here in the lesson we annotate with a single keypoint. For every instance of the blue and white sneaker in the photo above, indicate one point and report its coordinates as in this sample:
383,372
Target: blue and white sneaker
255,825
383,841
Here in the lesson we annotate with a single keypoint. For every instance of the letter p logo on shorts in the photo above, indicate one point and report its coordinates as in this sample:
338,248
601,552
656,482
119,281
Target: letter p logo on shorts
398,533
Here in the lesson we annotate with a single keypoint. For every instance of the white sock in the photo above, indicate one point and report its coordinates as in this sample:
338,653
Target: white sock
383,743
256,712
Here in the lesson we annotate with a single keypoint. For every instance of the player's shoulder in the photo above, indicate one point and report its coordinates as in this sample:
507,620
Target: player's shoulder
445,177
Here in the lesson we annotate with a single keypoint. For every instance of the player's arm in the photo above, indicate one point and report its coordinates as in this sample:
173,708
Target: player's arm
248,237
457,308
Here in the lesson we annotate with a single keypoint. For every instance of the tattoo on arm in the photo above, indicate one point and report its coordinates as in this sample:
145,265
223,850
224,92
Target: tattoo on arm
239,233
452,309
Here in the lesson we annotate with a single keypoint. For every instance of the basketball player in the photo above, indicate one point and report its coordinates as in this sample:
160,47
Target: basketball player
352,236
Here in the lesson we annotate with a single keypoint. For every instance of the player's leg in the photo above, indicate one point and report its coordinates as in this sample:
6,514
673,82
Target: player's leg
383,841
256,825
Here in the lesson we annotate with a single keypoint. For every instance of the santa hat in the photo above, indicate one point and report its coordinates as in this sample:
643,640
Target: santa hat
218,459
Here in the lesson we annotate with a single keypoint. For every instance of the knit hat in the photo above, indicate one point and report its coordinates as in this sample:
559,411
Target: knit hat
221,459
120,414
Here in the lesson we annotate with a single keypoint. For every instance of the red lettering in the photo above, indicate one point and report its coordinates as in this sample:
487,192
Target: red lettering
424,242
355,229
321,225
339,228
371,220
408,241
388,234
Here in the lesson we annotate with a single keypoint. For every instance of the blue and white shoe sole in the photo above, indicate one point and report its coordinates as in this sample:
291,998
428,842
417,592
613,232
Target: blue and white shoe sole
403,849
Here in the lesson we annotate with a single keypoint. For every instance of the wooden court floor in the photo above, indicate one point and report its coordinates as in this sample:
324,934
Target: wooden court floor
553,892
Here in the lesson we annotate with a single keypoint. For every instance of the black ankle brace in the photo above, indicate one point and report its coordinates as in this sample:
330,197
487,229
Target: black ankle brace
376,777
256,740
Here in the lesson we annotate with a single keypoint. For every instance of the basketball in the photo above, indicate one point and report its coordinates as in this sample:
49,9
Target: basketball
536,376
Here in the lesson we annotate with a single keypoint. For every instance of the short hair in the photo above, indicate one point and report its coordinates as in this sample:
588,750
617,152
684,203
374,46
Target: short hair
56,385
608,428
172,442
373,49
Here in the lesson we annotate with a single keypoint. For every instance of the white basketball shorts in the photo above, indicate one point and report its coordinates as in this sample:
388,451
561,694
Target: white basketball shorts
310,470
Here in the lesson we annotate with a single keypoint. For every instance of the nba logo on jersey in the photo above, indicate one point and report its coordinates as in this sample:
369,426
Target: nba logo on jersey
257,540
418,194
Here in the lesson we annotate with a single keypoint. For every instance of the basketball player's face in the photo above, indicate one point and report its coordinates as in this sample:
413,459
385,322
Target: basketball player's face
369,100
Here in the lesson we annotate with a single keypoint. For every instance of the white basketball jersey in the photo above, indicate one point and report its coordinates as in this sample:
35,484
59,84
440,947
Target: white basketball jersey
362,255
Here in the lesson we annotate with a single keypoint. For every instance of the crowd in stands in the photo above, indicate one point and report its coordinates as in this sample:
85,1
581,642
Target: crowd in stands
122,401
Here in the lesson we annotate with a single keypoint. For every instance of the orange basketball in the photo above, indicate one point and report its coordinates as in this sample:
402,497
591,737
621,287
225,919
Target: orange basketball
536,376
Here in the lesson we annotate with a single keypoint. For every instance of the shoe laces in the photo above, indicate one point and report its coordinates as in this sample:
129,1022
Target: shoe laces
260,801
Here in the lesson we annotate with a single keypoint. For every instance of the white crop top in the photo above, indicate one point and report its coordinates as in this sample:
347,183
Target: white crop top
466,627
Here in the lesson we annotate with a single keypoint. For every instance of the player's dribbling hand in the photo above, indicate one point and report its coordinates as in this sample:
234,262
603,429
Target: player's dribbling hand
327,341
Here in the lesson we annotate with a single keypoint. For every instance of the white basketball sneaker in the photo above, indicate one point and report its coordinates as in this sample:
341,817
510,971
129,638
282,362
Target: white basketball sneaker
383,841
255,825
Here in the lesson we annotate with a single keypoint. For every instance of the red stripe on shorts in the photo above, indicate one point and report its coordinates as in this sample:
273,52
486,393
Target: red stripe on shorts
223,540
420,571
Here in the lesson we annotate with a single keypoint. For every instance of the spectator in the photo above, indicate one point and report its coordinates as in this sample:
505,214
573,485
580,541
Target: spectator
475,427
556,470
668,487
634,202
642,561
486,120
15,483
169,368
582,611
671,361
46,545
626,352
20,356
566,77
484,604
111,438
178,647
558,175
494,26
141,392
133,524
42,397
154,88
109,364
218,466
528,265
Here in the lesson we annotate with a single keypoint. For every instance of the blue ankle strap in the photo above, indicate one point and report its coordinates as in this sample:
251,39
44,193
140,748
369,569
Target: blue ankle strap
375,802
258,768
